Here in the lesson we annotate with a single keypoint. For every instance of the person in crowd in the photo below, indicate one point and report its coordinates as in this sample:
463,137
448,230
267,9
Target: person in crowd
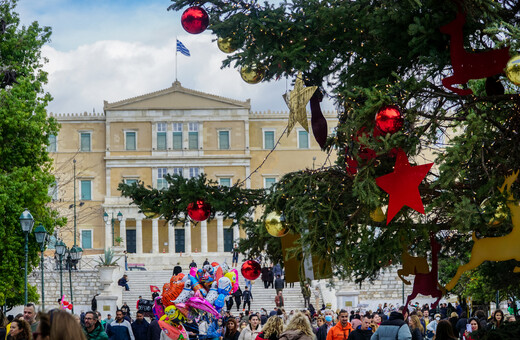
265,276
154,331
363,332
245,317
214,331
20,330
277,270
125,309
120,329
475,326
432,326
263,316
270,276
320,321
242,326
203,328
237,295
497,321
251,330
481,316
342,329
394,327
278,300
299,328
29,315
65,327
123,282
416,327
329,323
232,332
454,318
376,321
93,328
140,326
356,321
192,328
511,318
100,319
279,284
193,264
43,332
271,330
205,262
3,325
444,331
247,296
306,292
234,252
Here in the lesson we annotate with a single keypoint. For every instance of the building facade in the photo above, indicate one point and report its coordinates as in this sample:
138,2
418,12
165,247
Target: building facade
175,131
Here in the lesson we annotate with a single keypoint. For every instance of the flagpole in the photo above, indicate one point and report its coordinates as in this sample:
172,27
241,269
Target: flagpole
176,57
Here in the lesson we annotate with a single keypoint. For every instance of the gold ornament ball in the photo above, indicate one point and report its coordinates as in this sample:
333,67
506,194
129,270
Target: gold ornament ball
274,225
377,215
513,70
224,44
500,213
252,74
151,214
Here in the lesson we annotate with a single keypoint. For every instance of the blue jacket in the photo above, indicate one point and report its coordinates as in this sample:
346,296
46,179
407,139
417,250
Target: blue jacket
120,331
140,329
394,328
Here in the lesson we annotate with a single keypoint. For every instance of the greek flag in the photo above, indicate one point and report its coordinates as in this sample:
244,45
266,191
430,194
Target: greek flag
181,48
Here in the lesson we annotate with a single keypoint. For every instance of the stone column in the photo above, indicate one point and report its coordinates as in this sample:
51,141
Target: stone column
171,238
139,236
220,233
204,237
108,234
236,233
187,237
122,233
155,235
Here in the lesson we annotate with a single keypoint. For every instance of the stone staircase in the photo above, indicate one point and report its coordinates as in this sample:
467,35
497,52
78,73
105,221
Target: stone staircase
140,281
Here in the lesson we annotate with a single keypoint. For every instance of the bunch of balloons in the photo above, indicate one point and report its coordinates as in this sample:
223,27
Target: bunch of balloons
187,296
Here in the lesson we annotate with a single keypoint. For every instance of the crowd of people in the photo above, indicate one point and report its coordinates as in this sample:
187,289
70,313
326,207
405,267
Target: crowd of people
387,322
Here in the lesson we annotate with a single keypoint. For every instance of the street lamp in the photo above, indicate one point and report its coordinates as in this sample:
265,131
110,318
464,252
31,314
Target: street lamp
60,250
27,222
41,238
112,220
73,257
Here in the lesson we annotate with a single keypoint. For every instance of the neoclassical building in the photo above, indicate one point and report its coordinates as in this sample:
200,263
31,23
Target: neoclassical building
177,131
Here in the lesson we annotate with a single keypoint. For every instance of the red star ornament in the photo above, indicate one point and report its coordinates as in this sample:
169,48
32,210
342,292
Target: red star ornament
403,185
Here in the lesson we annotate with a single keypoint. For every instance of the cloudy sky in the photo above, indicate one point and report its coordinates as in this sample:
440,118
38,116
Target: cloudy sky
117,49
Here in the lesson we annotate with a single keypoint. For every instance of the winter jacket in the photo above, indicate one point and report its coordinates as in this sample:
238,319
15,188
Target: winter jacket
394,328
140,329
232,337
238,295
294,335
247,296
321,334
154,331
120,331
416,334
306,291
265,274
97,334
338,332
248,334
213,332
277,270
279,283
359,334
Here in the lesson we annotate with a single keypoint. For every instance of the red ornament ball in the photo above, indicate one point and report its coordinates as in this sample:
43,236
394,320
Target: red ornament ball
199,210
389,119
251,270
195,20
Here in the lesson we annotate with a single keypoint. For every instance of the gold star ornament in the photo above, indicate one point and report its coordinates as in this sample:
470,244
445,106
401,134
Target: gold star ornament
297,100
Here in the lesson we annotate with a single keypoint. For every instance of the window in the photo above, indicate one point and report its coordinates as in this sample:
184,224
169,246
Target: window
193,136
130,181
53,191
268,139
161,181
86,190
303,139
130,140
52,144
178,171
194,172
223,140
269,182
85,142
225,181
161,136
177,136
86,239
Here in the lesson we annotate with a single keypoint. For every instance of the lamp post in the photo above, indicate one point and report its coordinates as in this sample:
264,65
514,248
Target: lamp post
112,220
41,238
60,250
73,257
27,223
